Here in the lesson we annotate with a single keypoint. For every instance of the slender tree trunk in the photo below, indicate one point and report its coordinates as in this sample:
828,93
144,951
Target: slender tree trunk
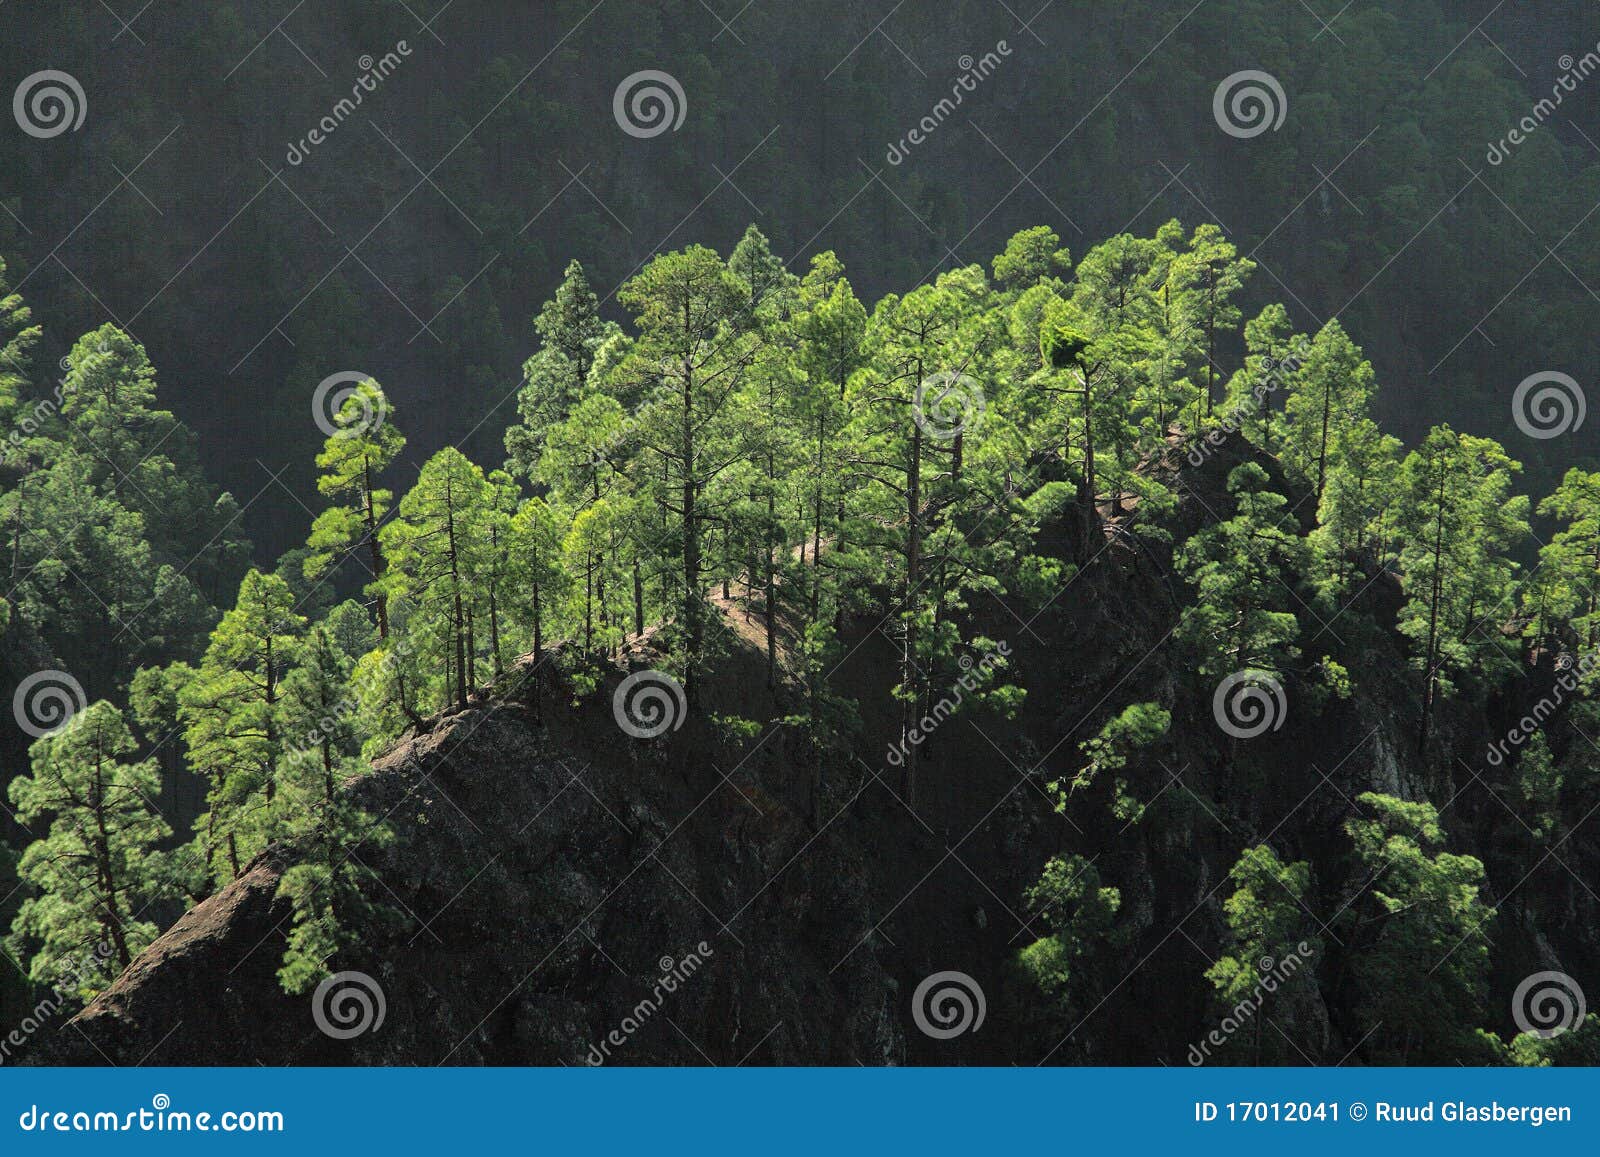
494,605
772,574
375,549
1211,338
638,599
455,590
816,526
271,769
1322,449
1430,671
691,542
112,917
16,526
1090,483
588,602
910,680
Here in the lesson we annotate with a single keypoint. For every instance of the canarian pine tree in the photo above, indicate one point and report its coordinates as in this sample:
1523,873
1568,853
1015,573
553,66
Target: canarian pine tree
1243,569
537,532
1032,257
96,868
1459,518
689,364
230,707
1357,515
914,409
555,378
332,834
143,458
1207,276
362,446
1271,932
1330,393
1569,565
1416,929
434,547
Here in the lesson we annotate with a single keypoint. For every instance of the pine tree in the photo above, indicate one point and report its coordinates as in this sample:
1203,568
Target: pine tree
146,460
1272,935
1458,519
1242,569
1569,564
690,364
831,331
18,336
1207,276
1085,939
1330,393
321,725
1414,935
1273,358
555,379
434,547
362,446
1356,516
232,727
317,715
921,480
537,532
1032,257
97,869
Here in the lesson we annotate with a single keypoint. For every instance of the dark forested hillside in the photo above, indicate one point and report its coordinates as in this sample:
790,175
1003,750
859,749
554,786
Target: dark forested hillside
611,533
414,244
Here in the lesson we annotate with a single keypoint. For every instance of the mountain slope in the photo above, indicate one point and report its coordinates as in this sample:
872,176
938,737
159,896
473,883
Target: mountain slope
550,869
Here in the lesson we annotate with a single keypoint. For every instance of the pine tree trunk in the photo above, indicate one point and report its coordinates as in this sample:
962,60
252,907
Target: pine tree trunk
376,550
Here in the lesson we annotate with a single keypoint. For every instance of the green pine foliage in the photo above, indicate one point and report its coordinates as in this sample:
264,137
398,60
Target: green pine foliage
754,450
96,869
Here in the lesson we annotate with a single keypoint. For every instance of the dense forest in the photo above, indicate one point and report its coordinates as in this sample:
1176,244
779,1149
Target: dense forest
1168,626
759,454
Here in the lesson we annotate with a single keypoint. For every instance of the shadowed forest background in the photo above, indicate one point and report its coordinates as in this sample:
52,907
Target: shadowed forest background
1229,410
244,293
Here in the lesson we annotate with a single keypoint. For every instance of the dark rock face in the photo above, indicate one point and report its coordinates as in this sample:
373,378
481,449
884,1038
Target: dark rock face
538,899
